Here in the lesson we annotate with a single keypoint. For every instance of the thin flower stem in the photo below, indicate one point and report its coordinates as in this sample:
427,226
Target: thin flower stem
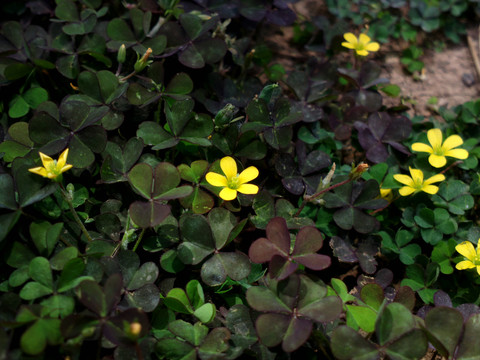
67,198
125,78
310,198
139,239
452,165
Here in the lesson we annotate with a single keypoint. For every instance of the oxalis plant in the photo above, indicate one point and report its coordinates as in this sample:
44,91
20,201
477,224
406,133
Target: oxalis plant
169,190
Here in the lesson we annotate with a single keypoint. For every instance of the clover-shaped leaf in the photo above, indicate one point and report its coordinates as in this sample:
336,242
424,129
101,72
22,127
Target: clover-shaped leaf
202,237
18,142
273,119
157,185
443,254
199,200
434,224
380,130
305,176
291,307
275,248
183,124
422,279
454,195
364,253
73,125
119,161
352,198
309,89
396,332
190,341
400,245
191,301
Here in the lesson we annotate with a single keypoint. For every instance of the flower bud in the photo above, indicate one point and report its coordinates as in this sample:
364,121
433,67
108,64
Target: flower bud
143,61
225,115
357,171
135,328
121,54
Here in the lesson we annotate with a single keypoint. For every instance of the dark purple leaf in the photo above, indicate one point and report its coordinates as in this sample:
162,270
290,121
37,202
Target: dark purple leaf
366,252
314,261
281,17
271,328
113,290
280,268
323,310
277,232
308,240
343,250
441,298
296,334
467,310
384,277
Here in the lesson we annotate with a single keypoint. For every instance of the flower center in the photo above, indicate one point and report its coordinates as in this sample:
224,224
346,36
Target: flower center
232,183
53,168
476,260
439,151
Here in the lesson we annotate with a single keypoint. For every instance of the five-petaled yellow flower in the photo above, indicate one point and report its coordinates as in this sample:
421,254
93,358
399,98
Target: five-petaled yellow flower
232,181
52,168
415,183
473,257
439,150
362,45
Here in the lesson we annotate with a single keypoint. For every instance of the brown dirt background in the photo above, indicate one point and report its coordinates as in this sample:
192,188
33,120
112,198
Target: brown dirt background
441,76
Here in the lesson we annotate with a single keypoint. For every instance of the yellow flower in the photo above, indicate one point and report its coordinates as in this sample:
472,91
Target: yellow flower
439,150
473,257
232,181
362,45
52,168
415,183
386,194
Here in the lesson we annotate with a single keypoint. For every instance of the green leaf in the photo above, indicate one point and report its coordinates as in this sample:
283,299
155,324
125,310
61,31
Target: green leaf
146,274
58,306
178,301
364,317
205,313
39,270
42,332
34,290
71,275
58,261
348,344
394,321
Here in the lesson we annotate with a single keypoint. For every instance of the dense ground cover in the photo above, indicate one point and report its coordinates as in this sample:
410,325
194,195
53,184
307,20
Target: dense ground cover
169,189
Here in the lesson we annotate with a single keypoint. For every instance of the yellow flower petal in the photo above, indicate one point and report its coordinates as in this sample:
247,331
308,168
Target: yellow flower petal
39,171
248,189
430,189
216,179
435,138
228,194
66,167
404,179
247,175
478,269
62,159
373,46
351,38
437,161
229,167
406,190
434,179
363,39
362,52
466,249
348,45
451,142
463,265
457,153
422,147
46,160
417,175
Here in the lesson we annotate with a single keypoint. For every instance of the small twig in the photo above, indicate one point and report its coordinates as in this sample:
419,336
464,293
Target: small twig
139,239
310,198
451,165
474,54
